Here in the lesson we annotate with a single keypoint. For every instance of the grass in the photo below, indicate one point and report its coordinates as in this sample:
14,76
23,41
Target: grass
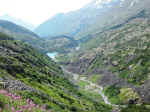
36,70
112,93
94,78
83,84
93,95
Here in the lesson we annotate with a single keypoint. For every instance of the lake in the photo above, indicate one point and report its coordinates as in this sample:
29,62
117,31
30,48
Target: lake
52,55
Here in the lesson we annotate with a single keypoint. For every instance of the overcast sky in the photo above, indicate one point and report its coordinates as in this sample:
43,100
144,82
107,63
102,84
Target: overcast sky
37,11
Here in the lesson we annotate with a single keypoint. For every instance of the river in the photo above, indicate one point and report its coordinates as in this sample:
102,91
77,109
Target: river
99,88
77,78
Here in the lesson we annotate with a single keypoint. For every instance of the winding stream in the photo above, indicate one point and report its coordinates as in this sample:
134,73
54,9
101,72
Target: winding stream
77,78
99,88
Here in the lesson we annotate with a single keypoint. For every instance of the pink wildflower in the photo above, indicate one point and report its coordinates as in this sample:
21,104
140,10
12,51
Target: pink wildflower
13,109
44,107
0,109
7,106
19,111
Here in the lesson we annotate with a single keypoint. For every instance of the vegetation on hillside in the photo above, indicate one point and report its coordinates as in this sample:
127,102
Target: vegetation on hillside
121,57
61,44
42,80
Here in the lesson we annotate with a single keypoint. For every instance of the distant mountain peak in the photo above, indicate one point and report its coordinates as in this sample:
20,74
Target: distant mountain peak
95,16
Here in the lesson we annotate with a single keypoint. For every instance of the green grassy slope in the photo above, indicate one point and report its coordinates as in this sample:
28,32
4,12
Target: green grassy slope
121,57
43,79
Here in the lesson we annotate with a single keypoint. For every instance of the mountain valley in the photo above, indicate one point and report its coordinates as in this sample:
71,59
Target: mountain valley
94,59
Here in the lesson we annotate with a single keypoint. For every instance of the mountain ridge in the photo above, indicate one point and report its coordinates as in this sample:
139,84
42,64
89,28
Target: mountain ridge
17,21
90,19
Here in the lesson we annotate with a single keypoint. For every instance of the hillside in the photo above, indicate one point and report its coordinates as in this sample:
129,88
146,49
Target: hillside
17,21
61,44
21,33
94,17
31,75
18,32
119,60
102,62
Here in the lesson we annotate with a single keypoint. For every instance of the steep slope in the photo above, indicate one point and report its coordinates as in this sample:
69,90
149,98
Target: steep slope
93,17
21,33
51,28
119,58
59,43
28,73
15,30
